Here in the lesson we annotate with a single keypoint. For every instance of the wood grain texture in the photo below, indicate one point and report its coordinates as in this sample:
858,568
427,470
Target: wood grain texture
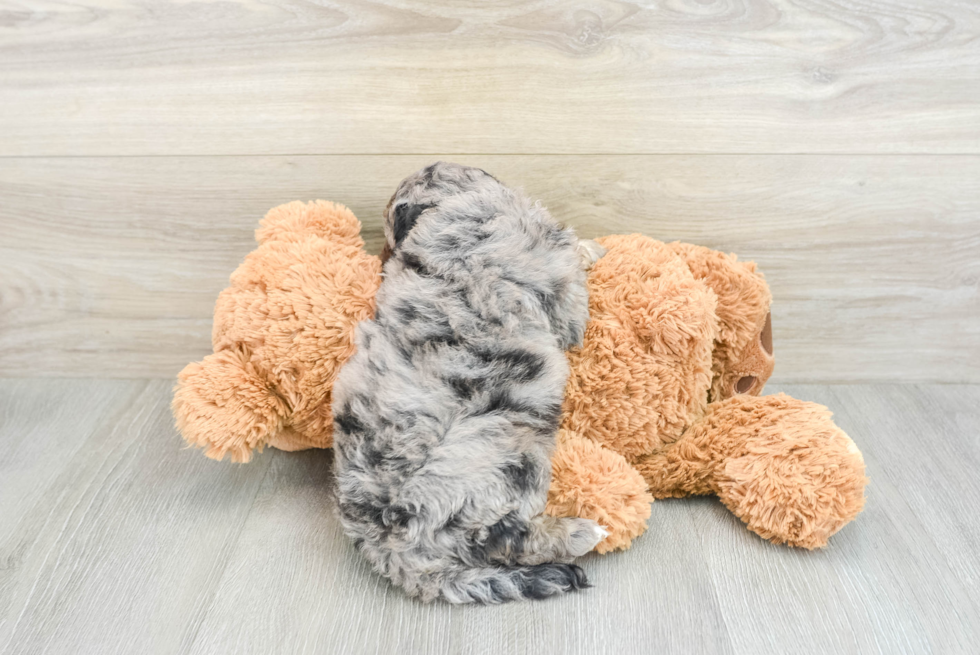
121,541
836,143
111,266
117,534
293,556
917,529
134,77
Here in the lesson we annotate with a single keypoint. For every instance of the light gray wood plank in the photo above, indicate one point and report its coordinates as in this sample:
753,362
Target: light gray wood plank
129,543
120,550
45,425
104,77
895,581
295,584
37,447
891,582
110,266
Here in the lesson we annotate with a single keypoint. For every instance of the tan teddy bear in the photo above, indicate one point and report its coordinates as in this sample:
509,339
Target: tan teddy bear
658,403
281,332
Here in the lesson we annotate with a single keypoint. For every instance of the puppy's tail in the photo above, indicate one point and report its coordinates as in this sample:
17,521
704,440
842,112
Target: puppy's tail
493,585
532,555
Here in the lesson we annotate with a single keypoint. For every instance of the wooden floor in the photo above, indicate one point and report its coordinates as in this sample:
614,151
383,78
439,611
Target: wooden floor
836,143
115,540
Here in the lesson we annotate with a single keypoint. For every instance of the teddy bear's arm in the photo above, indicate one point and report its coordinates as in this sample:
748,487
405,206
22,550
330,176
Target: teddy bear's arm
591,481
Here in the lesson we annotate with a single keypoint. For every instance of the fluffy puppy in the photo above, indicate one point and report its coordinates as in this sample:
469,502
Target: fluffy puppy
445,417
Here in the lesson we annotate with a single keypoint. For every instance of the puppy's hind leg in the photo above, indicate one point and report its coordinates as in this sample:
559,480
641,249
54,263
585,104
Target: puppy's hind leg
553,539
589,252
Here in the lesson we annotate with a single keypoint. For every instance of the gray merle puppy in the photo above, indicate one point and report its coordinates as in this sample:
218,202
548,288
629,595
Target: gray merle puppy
445,417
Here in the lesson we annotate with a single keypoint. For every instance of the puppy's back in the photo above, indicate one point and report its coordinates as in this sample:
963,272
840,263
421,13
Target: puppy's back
446,415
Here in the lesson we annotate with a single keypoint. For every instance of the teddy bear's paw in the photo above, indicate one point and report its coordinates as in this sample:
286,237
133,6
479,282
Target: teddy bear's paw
802,481
223,404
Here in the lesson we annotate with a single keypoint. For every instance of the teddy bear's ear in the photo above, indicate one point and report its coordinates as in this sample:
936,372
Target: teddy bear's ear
743,295
222,404
297,220
742,360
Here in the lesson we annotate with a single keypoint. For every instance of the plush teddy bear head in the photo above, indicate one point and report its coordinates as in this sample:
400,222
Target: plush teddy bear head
672,328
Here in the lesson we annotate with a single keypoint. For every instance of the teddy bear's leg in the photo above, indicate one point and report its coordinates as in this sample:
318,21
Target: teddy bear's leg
683,468
590,481
779,464
221,404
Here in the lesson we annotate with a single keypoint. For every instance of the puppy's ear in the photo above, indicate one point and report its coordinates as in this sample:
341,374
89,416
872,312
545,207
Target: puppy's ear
385,253
404,218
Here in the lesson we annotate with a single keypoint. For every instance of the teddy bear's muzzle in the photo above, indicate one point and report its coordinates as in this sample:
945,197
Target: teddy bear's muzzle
758,359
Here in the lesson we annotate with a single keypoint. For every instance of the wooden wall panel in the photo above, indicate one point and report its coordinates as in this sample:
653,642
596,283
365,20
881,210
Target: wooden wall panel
128,77
110,266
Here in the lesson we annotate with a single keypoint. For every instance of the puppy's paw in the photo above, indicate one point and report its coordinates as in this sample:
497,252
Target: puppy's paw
589,253
584,535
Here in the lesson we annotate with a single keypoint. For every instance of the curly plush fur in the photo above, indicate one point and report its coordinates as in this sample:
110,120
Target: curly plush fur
282,331
661,403
445,417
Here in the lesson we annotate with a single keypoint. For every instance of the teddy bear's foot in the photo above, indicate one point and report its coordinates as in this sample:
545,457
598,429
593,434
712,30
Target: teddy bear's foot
589,481
222,405
779,464
801,478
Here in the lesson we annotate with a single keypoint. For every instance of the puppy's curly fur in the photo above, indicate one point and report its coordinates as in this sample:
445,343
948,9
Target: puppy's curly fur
445,418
